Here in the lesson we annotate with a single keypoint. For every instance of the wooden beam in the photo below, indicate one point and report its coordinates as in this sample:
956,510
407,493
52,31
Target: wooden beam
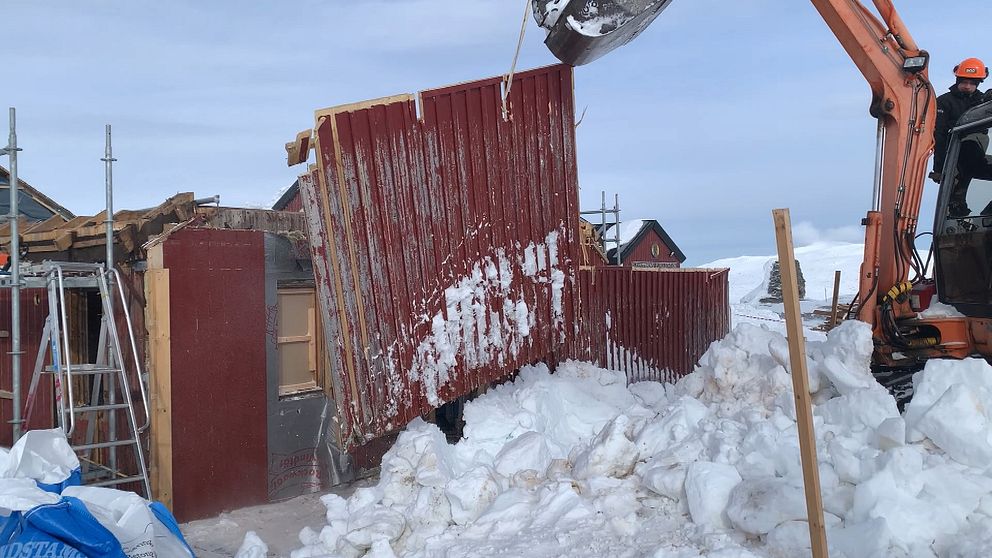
157,320
48,234
800,382
64,240
22,223
833,307
46,225
298,150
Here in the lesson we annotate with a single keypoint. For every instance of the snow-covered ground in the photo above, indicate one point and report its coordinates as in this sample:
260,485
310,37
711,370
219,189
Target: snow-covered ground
577,463
818,261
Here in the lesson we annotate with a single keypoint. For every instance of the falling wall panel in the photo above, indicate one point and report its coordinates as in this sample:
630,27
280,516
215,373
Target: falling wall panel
447,240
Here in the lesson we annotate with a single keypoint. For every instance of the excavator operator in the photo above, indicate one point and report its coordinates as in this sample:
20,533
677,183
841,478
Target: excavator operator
972,162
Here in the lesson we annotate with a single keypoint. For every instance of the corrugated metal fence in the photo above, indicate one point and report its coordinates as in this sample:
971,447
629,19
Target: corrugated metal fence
651,324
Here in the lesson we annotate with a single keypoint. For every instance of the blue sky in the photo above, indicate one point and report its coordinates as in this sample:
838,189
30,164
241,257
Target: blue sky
718,113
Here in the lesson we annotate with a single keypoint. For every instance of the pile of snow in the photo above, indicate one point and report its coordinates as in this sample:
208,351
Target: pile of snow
547,12
579,464
593,21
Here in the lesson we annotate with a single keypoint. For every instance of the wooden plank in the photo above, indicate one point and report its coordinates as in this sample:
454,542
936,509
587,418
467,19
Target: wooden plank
180,203
22,223
330,177
800,382
46,225
833,308
177,209
298,150
64,240
48,234
352,107
157,320
99,229
129,216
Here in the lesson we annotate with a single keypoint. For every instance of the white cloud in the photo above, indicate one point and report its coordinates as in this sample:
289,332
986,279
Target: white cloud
806,233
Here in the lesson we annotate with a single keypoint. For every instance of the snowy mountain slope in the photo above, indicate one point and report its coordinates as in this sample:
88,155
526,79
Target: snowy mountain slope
818,261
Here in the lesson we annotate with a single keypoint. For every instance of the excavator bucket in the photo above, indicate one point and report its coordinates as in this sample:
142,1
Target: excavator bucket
580,31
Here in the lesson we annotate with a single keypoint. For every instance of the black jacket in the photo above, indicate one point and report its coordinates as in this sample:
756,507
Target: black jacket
950,107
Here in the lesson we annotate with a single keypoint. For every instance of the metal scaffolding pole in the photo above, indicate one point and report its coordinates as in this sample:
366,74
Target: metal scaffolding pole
15,278
108,160
616,215
602,211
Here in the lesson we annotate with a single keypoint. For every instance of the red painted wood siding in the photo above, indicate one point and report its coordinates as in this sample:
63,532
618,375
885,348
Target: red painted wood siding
408,212
218,324
294,204
642,251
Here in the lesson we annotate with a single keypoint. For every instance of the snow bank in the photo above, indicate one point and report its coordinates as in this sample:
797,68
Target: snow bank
578,463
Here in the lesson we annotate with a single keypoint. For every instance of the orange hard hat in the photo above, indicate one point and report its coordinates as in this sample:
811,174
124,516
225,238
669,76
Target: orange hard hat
971,68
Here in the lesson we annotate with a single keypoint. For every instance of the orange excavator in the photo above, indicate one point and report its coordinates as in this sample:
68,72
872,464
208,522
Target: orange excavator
903,102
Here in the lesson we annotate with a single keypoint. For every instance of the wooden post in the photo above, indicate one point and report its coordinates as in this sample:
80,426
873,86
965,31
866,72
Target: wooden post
800,382
833,308
157,320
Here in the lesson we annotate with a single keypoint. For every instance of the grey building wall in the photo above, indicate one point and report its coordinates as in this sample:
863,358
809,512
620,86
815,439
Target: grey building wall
303,456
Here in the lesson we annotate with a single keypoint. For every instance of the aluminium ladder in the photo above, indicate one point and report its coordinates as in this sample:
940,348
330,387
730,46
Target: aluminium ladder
107,376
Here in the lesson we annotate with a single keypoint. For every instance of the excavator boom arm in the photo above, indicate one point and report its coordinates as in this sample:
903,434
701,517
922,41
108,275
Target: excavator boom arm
903,101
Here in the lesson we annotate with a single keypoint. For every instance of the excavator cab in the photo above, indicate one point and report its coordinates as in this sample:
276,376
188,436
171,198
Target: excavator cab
963,243
580,31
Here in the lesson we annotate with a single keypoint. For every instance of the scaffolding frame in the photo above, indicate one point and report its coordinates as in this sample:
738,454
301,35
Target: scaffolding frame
615,212
15,282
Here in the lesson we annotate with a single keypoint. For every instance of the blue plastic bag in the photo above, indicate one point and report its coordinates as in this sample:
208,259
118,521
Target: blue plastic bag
65,530
163,514
75,479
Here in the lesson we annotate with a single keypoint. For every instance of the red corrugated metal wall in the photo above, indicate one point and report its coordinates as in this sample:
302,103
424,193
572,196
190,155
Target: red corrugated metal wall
218,331
652,324
34,311
449,240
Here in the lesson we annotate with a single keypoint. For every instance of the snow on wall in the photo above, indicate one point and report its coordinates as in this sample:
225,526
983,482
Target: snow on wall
486,319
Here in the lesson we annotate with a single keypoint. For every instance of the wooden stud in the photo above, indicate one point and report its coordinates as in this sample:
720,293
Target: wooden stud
157,320
325,192
833,307
298,150
800,382
352,107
